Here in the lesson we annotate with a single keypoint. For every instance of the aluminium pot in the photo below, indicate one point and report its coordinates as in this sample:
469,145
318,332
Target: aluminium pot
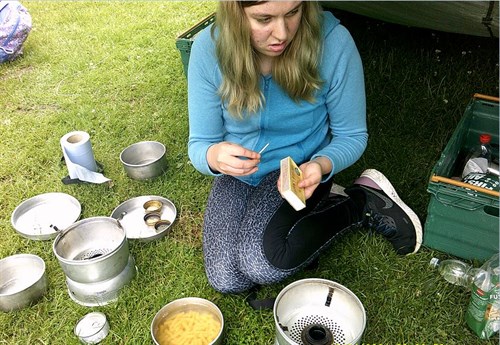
92,250
23,281
144,160
184,305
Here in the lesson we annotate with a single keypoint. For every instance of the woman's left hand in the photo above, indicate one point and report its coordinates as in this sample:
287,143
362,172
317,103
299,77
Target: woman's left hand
312,173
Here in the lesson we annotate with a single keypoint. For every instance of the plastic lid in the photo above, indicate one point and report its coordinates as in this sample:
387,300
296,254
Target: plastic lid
485,138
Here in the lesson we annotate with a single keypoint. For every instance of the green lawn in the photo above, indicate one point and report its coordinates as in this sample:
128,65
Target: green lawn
112,69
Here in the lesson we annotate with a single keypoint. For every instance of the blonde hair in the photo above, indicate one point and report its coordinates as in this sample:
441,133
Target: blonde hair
296,70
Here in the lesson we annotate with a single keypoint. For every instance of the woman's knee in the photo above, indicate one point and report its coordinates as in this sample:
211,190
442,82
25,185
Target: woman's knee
227,280
260,271
224,287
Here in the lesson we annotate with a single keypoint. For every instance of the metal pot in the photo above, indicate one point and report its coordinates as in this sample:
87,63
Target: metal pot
92,250
185,305
144,160
23,281
318,312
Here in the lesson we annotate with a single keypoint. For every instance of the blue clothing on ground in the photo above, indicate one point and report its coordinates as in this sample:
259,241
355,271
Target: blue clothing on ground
334,126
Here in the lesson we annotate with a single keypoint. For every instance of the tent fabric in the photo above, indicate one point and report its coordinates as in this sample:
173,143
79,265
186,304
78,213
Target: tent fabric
477,18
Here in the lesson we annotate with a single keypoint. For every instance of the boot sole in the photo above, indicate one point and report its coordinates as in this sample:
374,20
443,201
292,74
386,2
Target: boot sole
382,181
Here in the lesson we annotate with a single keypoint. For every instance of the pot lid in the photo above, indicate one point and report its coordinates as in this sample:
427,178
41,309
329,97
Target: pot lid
40,217
134,217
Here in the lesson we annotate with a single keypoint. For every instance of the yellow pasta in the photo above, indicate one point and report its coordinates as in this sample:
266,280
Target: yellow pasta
188,328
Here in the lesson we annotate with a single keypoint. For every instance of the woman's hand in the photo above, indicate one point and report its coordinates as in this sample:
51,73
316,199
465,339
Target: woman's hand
232,159
312,173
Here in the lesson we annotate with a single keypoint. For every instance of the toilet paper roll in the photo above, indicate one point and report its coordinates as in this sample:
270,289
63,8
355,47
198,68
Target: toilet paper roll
79,157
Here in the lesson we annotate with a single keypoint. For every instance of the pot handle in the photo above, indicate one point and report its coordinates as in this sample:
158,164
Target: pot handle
120,218
55,227
61,232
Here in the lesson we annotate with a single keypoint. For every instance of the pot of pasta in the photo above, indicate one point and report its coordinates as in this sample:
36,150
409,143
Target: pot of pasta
190,320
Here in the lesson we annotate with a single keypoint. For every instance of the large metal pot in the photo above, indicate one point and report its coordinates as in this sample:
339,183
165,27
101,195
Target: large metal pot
22,281
92,250
318,312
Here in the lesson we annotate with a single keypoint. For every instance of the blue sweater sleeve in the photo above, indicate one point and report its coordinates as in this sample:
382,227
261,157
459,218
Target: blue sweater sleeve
206,125
346,102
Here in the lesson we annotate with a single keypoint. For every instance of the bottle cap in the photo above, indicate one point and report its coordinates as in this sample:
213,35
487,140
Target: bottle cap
434,262
485,138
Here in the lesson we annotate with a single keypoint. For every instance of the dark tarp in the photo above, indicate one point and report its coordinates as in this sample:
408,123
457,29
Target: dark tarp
477,18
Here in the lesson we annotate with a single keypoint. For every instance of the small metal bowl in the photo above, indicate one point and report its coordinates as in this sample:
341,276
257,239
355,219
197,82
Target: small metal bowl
152,206
152,218
162,225
22,281
144,160
187,304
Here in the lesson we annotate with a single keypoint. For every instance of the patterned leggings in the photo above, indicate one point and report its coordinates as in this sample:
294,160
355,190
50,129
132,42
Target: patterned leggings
251,236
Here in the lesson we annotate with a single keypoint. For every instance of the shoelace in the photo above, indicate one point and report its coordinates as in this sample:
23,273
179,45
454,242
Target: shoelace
382,224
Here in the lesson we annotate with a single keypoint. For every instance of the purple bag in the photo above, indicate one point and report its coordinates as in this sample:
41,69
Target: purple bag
15,25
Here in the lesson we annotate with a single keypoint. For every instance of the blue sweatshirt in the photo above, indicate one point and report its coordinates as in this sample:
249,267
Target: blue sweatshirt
334,126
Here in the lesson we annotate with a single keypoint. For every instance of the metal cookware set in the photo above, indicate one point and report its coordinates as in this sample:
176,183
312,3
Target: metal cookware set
94,256
93,252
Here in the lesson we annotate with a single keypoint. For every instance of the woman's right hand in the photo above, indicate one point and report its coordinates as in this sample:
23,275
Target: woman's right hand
232,159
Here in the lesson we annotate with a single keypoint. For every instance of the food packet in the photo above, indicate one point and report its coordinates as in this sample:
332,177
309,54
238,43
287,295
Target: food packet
483,312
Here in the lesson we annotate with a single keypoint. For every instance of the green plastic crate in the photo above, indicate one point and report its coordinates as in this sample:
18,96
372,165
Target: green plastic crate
460,221
185,40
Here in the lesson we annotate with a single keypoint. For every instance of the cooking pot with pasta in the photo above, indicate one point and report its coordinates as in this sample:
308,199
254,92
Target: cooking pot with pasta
189,320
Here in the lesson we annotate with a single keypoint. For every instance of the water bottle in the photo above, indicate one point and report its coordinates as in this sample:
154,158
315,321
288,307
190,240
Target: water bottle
483,312
484,150
455,271
480,158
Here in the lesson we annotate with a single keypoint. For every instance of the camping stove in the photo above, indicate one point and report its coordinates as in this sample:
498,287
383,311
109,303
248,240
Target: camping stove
102,292
318,312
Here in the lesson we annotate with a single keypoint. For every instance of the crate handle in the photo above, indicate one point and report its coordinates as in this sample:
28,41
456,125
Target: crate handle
436,178
457,202
486,97
196,27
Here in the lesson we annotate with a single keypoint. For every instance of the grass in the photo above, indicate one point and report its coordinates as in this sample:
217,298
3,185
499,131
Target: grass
112,69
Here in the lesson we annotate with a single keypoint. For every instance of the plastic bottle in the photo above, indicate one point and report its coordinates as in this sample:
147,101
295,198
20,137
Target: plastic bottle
455,271
480,157
484,149
483,312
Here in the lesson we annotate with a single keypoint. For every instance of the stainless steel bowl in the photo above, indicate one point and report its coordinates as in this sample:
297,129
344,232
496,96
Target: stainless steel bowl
144,160
185,305
92,250
22,281
318,311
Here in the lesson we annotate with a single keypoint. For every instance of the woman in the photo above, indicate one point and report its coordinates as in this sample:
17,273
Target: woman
287,77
